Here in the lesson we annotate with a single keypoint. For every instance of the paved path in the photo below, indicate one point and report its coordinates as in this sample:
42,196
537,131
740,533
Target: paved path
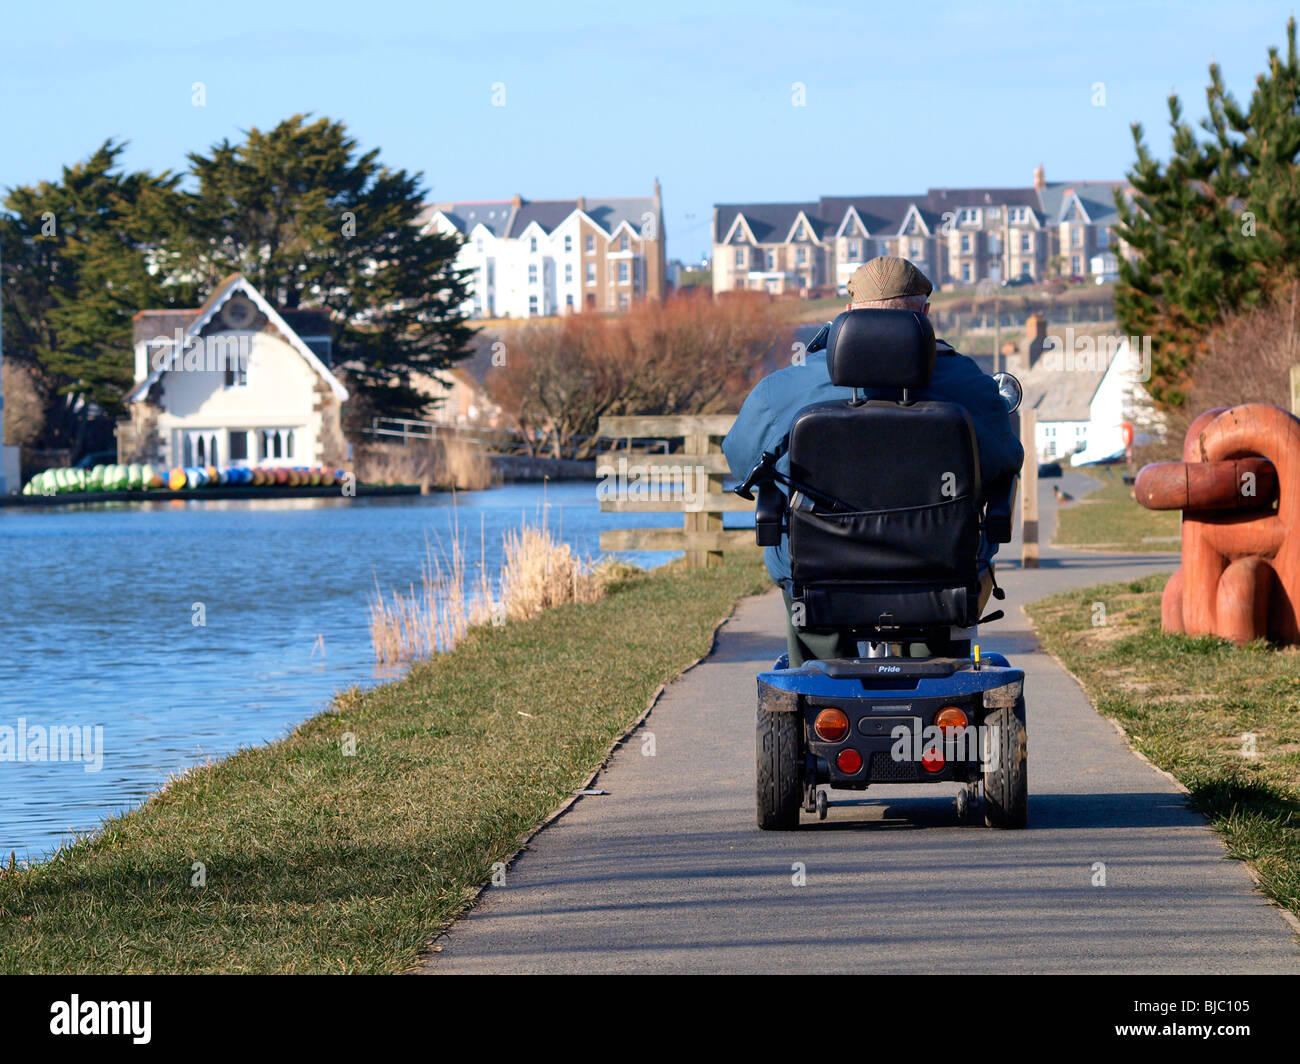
668,873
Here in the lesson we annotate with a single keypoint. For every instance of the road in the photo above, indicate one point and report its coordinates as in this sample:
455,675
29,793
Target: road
668,872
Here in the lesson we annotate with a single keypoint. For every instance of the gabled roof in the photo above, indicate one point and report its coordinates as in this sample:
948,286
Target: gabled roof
1097,198
610,213
547,214
768,222
496,216
201,316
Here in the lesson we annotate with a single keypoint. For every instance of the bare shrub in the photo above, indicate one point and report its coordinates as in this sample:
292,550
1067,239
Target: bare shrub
690,354
24,410
1248,359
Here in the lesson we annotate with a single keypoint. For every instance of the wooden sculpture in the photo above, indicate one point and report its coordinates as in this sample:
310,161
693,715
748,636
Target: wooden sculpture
1240,577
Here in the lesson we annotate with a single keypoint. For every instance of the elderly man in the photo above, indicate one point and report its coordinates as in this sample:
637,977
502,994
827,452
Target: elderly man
769,412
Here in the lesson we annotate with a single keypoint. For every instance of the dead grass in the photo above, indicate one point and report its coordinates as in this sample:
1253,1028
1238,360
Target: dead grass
538,572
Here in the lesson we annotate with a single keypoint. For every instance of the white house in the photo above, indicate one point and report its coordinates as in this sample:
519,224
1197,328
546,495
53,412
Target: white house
540,258
234,382
1084,389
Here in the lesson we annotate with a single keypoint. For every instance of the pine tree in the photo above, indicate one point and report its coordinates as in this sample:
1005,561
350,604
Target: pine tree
1216,230
312,223
75,272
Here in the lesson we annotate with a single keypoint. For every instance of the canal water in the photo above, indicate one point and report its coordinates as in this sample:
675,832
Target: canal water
98,611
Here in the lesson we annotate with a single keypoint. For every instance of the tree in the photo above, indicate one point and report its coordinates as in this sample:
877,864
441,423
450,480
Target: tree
312,223
690,354
75,271
1217,229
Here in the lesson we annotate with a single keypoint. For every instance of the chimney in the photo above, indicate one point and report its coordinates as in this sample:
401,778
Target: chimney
516,201
1032,345
1040,179
582,203
658,195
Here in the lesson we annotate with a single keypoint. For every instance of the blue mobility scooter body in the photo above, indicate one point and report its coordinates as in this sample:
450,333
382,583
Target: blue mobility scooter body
893,571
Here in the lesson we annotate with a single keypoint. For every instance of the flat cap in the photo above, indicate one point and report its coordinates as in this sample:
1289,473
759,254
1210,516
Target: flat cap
887,277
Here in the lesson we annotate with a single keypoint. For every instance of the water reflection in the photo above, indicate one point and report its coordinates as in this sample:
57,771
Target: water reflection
99,611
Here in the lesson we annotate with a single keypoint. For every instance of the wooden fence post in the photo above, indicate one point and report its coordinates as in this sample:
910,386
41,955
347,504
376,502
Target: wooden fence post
1295,390
1029,492
702,466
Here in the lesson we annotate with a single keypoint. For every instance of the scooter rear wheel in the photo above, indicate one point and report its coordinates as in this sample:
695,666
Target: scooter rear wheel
778,770
1006,787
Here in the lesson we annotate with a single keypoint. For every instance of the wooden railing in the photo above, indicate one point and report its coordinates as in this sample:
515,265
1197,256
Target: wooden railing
696,493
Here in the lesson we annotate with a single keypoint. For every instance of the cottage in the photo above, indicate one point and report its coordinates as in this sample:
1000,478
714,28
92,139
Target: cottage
234,382
1084,389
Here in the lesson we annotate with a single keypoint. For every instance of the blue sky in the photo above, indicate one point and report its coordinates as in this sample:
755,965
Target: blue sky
600,99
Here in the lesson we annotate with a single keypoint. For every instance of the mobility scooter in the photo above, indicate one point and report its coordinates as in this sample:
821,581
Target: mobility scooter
884,511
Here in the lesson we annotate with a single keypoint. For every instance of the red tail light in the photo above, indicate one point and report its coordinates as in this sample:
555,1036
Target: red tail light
849,761
932,761
831,725
950,717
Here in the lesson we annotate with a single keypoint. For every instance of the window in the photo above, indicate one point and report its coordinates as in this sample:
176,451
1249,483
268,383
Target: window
801,256
568,244
532,306
275,443
771,259
238,446
855,250
1076,264
568,273
591,244
532,244
1026,243
568,301
591,273
237,374
1076,237
965,243
478,244
1103,237
622,243
623,301
200,448
965,271
740,257
622,273
532,273
915,252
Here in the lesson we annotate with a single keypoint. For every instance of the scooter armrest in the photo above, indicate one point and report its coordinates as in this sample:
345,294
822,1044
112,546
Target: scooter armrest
769,514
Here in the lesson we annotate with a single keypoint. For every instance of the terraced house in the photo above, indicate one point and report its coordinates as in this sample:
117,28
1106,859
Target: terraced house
958,236
539,258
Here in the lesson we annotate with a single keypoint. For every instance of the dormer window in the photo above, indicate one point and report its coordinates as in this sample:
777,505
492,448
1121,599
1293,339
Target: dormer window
532,244
623,243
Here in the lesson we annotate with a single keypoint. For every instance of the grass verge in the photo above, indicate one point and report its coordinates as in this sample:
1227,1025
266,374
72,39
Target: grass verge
1109,518
320,862
1223,719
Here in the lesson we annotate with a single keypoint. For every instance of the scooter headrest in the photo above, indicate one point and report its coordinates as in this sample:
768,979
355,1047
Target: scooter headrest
880,349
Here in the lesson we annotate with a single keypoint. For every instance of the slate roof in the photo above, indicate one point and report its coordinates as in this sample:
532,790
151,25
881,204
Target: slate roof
884,215
1098,198
503,219
496,215
610,213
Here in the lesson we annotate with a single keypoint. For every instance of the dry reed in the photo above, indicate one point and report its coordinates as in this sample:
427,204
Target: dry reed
538,571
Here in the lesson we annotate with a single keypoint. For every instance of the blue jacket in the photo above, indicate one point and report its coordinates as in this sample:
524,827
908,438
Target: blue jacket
769,412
